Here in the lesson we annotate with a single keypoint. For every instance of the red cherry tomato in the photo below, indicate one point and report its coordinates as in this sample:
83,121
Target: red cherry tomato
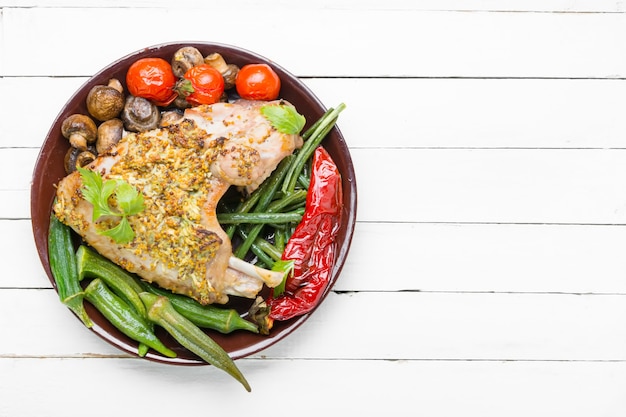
257,82
202,84
152,79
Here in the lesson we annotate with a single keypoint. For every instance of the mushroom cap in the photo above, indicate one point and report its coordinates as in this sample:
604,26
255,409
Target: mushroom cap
80,129
109,133
230,76
140,114
75,157
115,83
104,102
228,71
170,117
185,58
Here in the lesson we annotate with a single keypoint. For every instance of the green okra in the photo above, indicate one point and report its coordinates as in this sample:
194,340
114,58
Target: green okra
92,264
223,320
162,313
124,318
63,267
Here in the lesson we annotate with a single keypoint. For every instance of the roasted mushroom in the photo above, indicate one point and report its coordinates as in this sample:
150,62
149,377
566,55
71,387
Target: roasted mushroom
170,117
228,71
140,114
81,130
181,102
115,83
105,102
185,58
109,133
75,158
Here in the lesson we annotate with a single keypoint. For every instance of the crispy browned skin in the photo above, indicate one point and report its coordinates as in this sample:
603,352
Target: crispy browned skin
183,171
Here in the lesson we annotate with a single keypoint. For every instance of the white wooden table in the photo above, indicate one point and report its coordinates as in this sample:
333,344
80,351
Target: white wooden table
487,275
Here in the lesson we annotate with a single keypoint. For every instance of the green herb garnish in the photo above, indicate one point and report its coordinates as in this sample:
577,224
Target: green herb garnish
129,202
287,267
284,118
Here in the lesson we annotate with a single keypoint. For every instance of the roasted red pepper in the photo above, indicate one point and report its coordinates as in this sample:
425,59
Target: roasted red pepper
312,246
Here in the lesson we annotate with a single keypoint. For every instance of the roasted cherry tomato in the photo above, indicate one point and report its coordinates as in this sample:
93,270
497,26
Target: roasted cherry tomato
202,84
257,82
152,79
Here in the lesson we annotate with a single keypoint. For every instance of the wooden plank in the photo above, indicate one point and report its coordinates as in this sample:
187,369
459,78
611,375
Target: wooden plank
432,257
17,163
382,325
494,186
482,44
435,5
399,388
426,113
22,128
25,270
478,113
575,186
485,258
16,204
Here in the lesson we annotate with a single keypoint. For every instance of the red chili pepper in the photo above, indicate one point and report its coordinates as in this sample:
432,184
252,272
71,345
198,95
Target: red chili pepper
312,245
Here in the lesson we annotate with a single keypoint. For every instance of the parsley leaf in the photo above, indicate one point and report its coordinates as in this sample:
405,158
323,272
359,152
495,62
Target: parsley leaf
129,199
129,202
287,267
284,118
122,233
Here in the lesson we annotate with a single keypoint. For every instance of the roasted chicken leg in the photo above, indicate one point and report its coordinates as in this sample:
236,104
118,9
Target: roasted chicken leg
183,170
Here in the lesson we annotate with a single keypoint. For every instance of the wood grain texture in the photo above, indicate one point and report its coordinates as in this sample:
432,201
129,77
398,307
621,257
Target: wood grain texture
400,388
480,44
486,274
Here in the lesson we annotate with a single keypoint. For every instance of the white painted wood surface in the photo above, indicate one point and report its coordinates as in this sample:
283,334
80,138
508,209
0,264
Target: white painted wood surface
486,276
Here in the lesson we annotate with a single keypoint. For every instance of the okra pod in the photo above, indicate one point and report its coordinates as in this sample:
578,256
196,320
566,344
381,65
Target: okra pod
162,312
92,264
123,317
63,267
223,320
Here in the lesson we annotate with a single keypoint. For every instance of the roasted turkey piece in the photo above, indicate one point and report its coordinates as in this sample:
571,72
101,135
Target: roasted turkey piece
182,171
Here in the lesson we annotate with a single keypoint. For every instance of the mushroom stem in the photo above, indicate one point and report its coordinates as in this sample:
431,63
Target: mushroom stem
216,61
80,130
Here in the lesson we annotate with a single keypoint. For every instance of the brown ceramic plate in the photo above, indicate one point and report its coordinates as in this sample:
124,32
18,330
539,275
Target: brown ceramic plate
49,170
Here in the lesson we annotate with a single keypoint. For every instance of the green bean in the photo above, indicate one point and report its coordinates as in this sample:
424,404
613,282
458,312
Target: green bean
274,183
259,218
327,122
307,134
262,196
280,239
296,198
263,259
247,205
262,248
162,312
304,180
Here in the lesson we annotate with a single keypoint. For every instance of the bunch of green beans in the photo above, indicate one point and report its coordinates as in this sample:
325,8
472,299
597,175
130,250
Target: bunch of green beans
262,223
